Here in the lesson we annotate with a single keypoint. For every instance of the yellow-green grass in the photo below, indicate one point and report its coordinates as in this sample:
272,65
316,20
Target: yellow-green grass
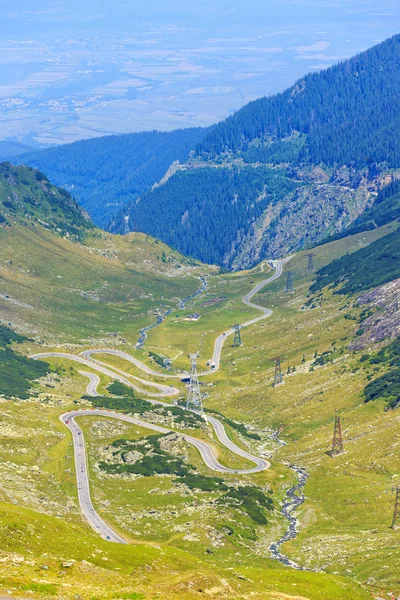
104,570
60,291
339,528
35,535
347,514
176,337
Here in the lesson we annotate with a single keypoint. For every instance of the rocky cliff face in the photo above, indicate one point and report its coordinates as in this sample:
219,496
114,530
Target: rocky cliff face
323,204
384,322
235,213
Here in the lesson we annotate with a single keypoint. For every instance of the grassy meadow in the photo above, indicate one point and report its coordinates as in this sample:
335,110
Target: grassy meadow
187,543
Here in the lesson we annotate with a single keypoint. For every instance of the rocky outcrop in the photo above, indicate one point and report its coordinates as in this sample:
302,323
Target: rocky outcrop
384,323
171,171
323,204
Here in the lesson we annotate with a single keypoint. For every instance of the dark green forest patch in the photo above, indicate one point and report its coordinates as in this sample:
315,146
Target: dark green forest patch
369,267
153,460
17,372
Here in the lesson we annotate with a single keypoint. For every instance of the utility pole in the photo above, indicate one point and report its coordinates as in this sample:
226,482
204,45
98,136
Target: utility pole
289,282
337,442
278,378
194,398
237,340
126,224
396,513
310,267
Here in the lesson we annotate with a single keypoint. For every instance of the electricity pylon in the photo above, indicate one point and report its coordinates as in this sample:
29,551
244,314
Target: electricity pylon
194,398
337,442
396,513
278,378
126,224
310,267
237,340
289,282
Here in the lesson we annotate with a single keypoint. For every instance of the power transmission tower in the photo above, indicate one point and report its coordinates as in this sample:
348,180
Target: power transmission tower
126,223
310,267
237,340
337,442
289,282
396,513
194,399
278,378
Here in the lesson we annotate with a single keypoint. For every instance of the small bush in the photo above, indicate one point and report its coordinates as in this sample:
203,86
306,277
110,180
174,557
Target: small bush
205,484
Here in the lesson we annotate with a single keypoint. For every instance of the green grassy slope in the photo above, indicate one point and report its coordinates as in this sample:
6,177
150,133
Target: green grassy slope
26,195
54,288
344,523
70,295
365,269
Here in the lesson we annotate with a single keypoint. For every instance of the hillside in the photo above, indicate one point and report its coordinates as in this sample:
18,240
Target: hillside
69,292
62,279
333,136
367,268
27,196
67,287
187,529
10,150
348,115
105,173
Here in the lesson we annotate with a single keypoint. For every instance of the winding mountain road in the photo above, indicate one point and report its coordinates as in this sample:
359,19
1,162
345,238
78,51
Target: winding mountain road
205,449
94,382
121,376
266,312
220,340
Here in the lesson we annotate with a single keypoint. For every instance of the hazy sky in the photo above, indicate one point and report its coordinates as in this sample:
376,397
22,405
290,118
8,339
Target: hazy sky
71,69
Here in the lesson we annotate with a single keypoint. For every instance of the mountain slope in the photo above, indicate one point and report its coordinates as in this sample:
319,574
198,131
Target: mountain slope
334,135
369,267
385,208
105,173
206,212
28,196
97,291
348,113
63,279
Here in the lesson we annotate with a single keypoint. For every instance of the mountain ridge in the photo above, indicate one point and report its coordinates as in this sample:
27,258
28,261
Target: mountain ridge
105,173
333,135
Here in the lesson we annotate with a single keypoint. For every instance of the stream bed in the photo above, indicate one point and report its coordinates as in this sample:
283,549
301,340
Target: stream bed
143,332
293,499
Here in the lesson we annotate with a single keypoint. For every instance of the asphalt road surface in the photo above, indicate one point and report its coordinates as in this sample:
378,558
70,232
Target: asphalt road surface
81,467
266,312
94,382
165,390
203,447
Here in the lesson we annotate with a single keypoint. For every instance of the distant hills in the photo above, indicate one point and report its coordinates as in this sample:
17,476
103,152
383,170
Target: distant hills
11,150
105,173
282,174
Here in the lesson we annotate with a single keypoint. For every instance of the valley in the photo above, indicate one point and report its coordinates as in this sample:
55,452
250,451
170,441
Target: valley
201,399
156,513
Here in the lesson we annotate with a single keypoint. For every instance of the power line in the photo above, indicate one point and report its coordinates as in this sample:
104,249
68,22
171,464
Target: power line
310,267
278,377
289,282
337,442
396,512
194,397
237,340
